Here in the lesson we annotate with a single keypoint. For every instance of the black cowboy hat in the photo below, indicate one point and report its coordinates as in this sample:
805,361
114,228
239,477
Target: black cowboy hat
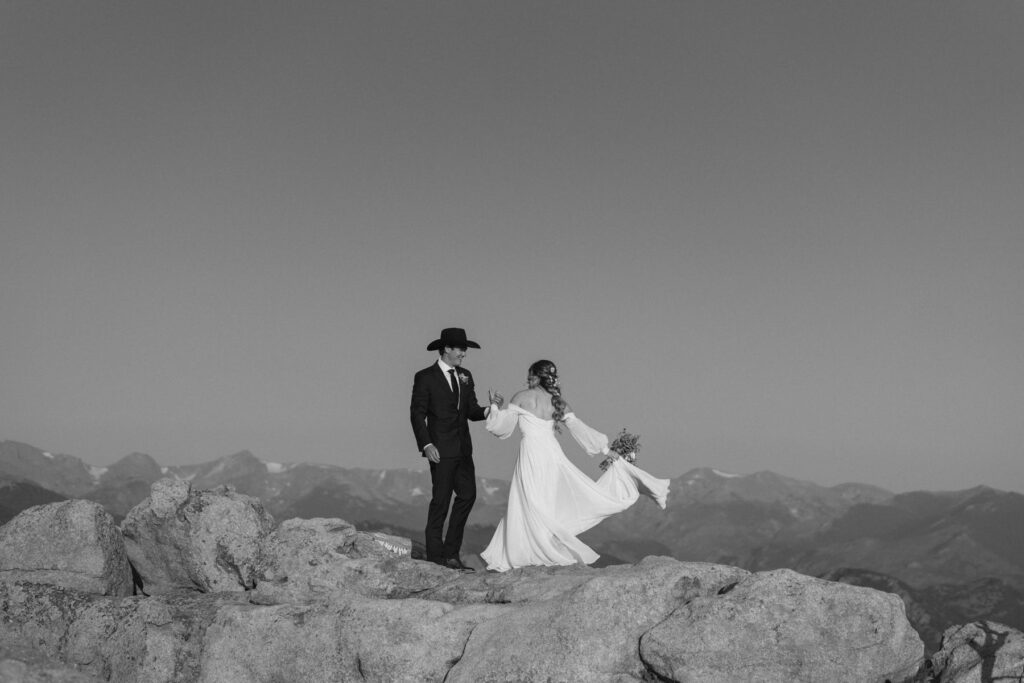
454,337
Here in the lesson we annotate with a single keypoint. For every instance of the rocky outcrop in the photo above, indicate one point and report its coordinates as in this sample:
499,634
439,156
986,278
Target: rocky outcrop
309,560
558,624
589,632
21,662
73,544
979,652
143,639
182,538
932,609
320,600
349,638
783,626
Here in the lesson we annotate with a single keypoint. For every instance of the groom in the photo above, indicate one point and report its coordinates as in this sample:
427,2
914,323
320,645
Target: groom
443,403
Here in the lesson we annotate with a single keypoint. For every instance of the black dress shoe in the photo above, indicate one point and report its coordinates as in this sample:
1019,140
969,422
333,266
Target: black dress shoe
456,563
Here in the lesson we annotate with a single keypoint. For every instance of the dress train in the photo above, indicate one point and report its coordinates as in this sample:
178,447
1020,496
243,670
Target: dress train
551,501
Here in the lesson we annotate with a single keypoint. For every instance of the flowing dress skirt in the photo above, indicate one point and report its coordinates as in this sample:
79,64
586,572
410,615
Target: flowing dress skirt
551,501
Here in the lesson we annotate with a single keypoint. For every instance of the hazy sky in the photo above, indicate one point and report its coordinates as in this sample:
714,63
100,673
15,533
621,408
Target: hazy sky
764,235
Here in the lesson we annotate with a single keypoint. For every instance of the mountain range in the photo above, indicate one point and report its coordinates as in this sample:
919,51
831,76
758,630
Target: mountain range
954,556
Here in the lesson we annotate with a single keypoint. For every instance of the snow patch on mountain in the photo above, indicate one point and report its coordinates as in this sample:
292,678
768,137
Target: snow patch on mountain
277,468
727,475
217,469
96,472
47,454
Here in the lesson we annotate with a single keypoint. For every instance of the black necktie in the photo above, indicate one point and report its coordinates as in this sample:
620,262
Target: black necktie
455,385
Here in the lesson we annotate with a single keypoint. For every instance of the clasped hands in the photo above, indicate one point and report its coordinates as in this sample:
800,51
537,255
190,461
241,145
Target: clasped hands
430,450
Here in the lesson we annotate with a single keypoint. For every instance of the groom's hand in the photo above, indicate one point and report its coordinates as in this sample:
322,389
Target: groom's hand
496,398
430,450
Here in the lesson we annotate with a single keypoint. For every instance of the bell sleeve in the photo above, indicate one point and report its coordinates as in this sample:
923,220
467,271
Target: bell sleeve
589,439
501,421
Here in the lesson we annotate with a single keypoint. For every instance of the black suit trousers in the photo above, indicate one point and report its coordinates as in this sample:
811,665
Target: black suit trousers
451,475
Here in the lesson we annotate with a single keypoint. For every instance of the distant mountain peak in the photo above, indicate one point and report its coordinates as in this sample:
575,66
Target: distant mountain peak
64,474
137,457
241,456
710,473
134,462
132,466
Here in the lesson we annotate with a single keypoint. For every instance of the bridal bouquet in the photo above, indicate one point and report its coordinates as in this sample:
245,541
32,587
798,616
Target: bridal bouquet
625,445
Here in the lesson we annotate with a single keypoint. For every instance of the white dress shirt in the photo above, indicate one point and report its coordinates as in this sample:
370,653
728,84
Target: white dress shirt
445,368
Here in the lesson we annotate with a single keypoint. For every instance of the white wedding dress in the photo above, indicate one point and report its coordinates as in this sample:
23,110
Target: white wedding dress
551,501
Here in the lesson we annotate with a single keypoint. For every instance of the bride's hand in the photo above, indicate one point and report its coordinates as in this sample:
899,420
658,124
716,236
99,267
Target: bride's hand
495,398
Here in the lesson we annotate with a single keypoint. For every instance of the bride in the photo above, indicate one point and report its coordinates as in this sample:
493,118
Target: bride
551,501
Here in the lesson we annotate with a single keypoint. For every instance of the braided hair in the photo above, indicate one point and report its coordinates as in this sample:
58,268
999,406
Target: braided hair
546,372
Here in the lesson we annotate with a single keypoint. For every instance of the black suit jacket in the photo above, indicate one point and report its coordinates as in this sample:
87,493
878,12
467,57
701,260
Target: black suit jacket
438,418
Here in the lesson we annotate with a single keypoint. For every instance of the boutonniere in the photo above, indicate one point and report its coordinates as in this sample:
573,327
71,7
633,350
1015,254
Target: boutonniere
464,378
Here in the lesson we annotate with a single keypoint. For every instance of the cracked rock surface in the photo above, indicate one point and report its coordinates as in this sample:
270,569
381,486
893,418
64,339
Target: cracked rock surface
184,539
980,652
233,599
72,543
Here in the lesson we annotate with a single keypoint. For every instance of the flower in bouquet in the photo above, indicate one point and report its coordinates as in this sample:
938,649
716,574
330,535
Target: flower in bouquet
624,446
